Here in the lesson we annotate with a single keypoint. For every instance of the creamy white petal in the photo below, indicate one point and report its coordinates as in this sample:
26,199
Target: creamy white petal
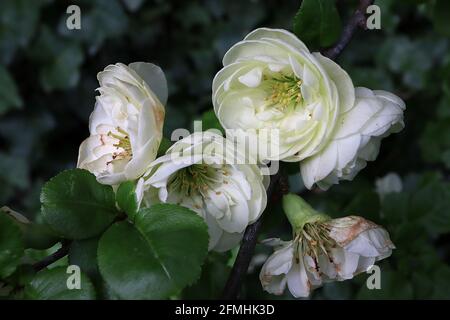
297,280
126,124
356,139
154,78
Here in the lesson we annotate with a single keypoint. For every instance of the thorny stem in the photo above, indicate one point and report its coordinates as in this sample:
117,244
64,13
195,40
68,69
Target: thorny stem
240,267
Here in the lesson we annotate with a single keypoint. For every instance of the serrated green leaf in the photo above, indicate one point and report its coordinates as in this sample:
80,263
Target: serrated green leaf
162,254
126,198
317,23
76,206
51,284
83,253
11,245
214,275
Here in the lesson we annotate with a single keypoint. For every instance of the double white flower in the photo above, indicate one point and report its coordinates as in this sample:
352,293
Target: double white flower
323,250
126,124
201,172
271,81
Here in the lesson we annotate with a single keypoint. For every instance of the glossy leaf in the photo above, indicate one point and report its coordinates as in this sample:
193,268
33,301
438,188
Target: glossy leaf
126,198
11,245
158,256
52,284
317,23
76,206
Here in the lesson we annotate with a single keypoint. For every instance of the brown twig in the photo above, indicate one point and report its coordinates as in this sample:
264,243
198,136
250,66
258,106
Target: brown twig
247,248
245,253
60,253
357,20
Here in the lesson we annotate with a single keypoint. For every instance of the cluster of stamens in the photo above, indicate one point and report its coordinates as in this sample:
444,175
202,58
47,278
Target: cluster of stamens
314,240
193,180
285,90
123,145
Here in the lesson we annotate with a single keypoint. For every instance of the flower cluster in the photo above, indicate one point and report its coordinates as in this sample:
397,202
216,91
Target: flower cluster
270,82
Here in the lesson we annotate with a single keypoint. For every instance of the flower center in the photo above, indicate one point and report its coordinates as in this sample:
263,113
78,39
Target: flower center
314,239
123,145
284,90
193,180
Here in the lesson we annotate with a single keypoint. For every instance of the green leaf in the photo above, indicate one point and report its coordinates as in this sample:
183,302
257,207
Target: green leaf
441,17
35,235
76,206
11,245
9,95
126,198
34,255
162,254
317,23
39,236
51,284
214,275
83,253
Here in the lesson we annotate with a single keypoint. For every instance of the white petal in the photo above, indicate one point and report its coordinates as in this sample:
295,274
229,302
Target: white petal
252,79
345,262
154,77
228,241
297,280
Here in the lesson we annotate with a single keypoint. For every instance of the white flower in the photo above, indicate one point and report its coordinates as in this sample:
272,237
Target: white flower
324,251
271,81
356,139
126,124
196,173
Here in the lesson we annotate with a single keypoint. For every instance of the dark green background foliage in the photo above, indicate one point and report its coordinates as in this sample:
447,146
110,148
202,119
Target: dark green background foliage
48,78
